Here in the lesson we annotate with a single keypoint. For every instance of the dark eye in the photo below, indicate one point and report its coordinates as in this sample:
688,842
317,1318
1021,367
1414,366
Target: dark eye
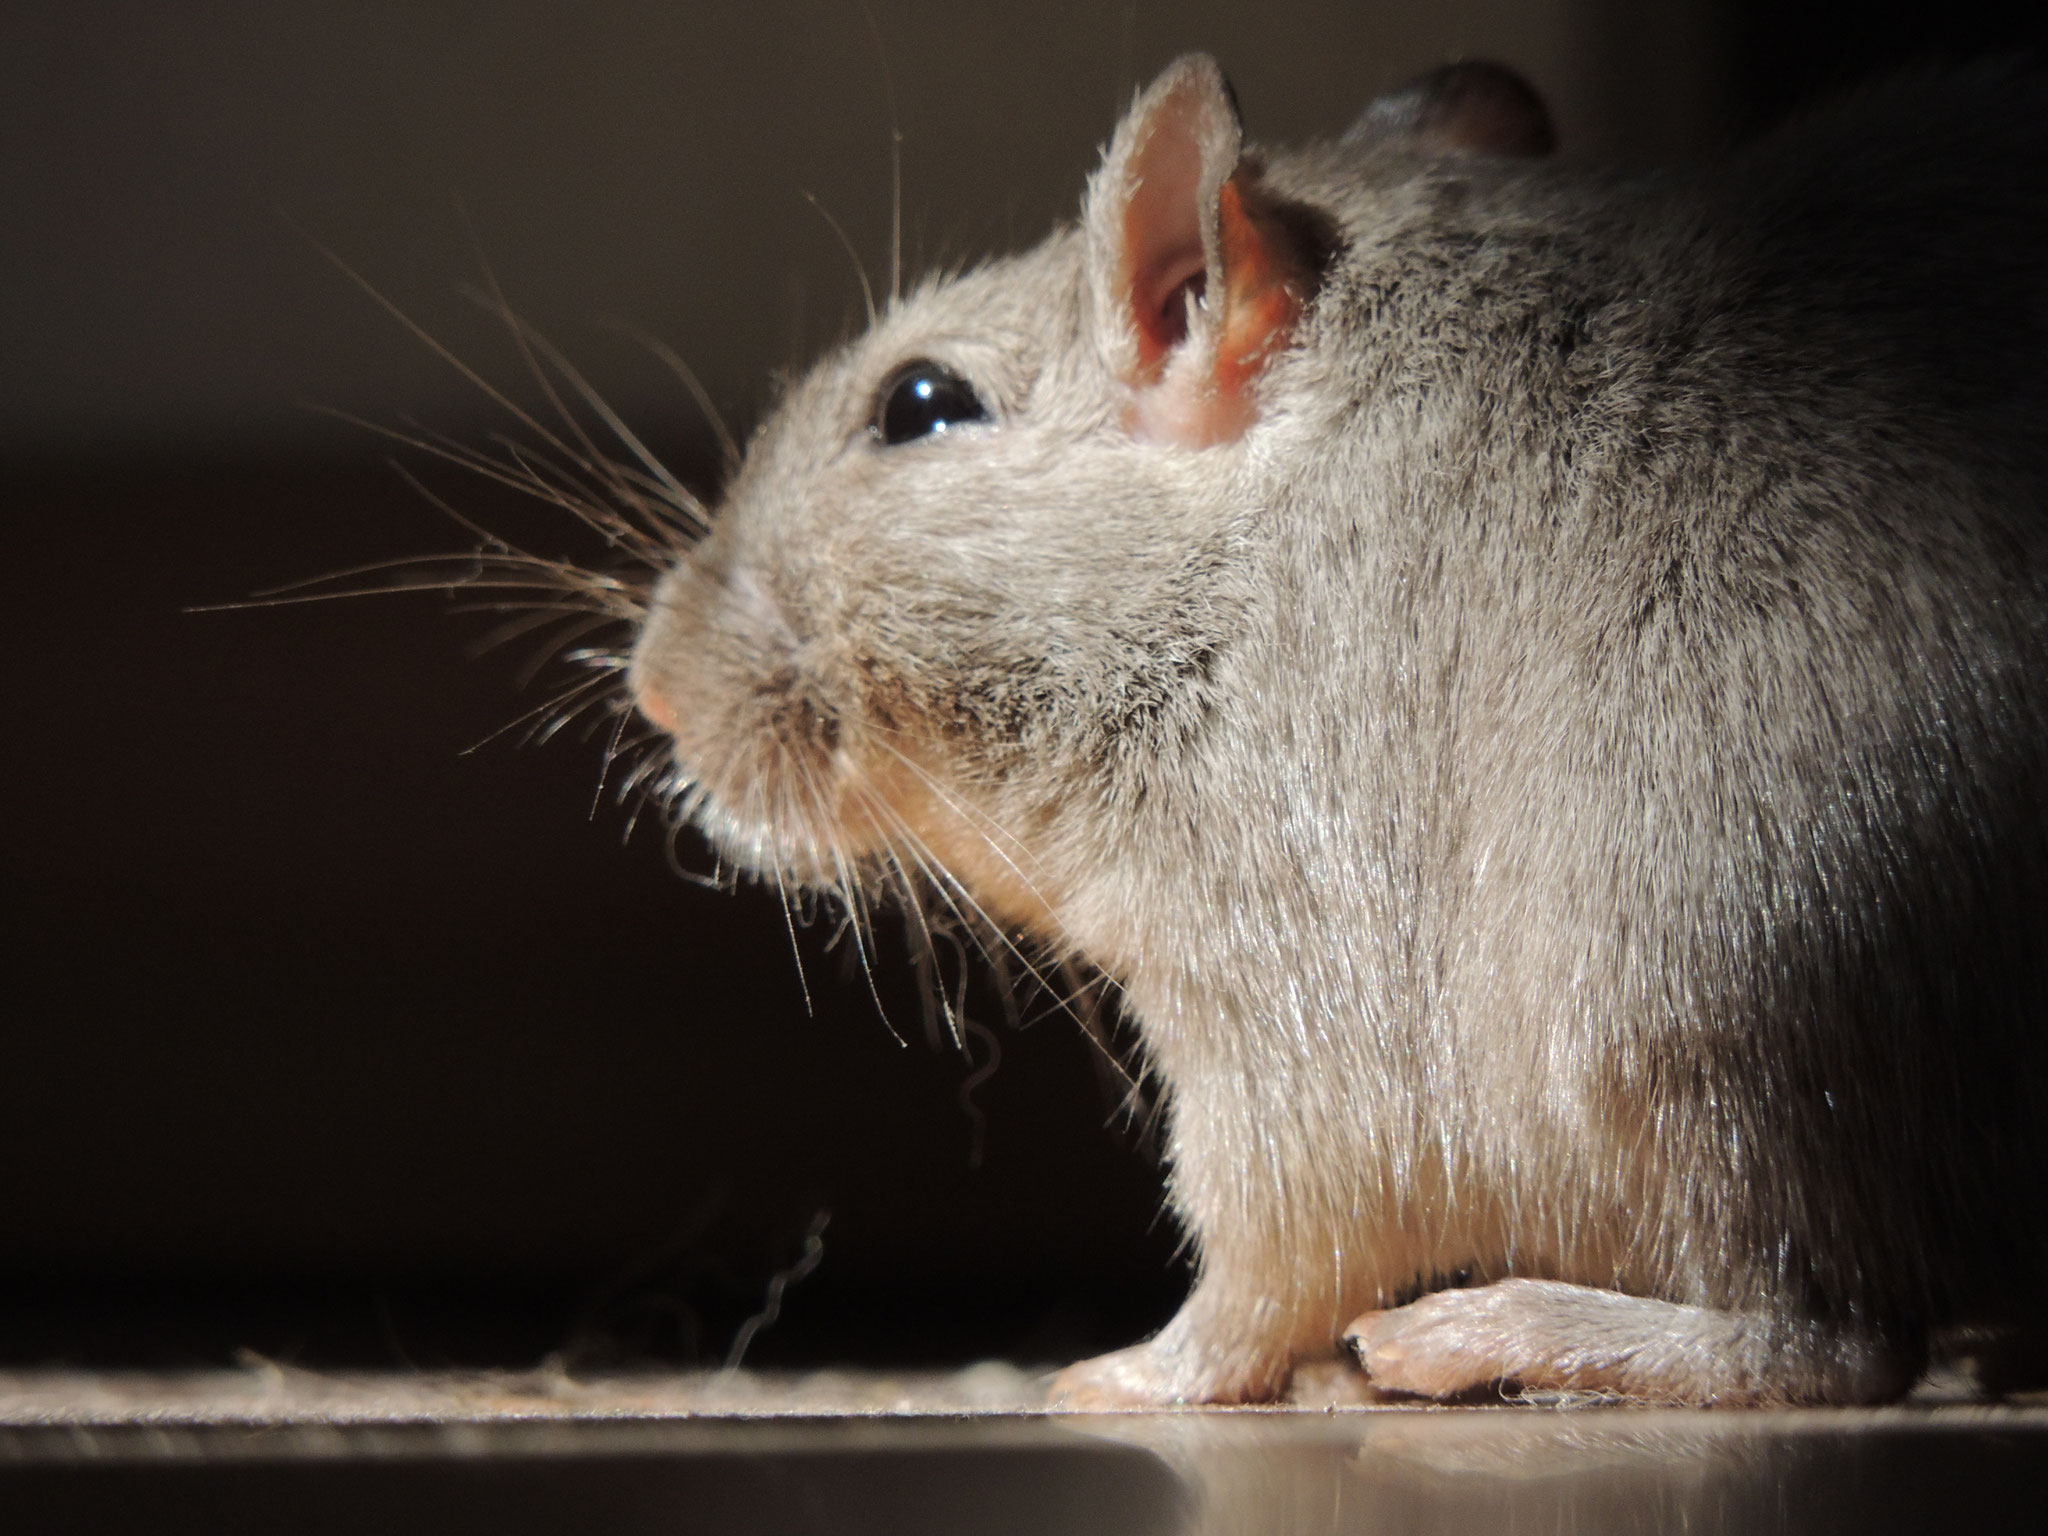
923,399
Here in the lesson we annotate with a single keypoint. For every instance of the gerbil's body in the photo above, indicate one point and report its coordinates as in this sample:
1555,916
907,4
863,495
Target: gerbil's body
1536,689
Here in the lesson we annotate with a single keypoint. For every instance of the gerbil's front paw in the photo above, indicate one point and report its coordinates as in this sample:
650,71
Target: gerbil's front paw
1129,1378
1156,1375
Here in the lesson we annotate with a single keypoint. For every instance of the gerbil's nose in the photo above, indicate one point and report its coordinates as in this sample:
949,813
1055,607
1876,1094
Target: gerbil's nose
651,704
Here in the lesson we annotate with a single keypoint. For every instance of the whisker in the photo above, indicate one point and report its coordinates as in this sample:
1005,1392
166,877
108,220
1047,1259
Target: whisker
579,687
619,605
862,934
945,885
518,476
788,917
677,497
592,458
558,484
426,338
680,822
948,887
537,615
728,445
574,627
563,588
594,491
971,813
624,718
565,716
914,900
1134,1104
500,555
867,291
895,159
902,841
641,785
447,509
532,619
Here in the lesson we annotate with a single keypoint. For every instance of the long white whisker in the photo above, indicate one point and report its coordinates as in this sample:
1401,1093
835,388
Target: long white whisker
500,555
574,626
567,714
578,689
895,846
755,796
863,932
988,830
948,886
624,718
913,895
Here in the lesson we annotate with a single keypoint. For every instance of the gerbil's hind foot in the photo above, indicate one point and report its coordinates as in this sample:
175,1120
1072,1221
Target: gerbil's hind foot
1547,1336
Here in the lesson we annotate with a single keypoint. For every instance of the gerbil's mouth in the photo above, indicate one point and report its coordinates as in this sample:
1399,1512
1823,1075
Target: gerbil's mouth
797,771
754,749
786,789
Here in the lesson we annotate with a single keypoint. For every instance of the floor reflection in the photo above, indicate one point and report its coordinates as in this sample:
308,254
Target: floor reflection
1523,1470
1602,1470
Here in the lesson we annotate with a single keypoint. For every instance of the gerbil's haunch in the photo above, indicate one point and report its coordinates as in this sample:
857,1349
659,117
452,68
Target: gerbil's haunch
1529,681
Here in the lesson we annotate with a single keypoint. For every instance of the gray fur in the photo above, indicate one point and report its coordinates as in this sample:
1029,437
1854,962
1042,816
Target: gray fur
1560,793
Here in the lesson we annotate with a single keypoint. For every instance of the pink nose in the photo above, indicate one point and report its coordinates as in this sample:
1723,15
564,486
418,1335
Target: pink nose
655,707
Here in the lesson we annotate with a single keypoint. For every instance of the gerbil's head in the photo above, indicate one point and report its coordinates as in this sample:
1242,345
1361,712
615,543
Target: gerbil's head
970,561
963,601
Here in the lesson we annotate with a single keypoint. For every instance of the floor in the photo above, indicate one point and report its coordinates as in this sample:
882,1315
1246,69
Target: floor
269,1448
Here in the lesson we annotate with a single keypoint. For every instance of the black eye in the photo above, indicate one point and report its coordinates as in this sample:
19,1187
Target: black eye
923,399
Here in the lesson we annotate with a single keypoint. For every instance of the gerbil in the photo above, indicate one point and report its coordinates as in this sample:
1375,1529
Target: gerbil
1531,682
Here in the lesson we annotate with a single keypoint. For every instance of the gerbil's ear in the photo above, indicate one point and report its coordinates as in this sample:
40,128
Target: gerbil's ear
1195,279
1474,108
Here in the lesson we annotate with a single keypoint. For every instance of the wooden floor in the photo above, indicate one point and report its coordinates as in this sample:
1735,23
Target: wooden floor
275,1449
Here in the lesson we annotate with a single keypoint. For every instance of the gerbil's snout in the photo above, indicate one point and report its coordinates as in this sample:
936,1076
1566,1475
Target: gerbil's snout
651,703
703,617
719,667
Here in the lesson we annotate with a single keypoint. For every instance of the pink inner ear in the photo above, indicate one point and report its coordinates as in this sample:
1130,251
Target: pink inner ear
1163,234
1163,319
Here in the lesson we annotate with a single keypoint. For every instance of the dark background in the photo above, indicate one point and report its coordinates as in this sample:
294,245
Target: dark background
325,1036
